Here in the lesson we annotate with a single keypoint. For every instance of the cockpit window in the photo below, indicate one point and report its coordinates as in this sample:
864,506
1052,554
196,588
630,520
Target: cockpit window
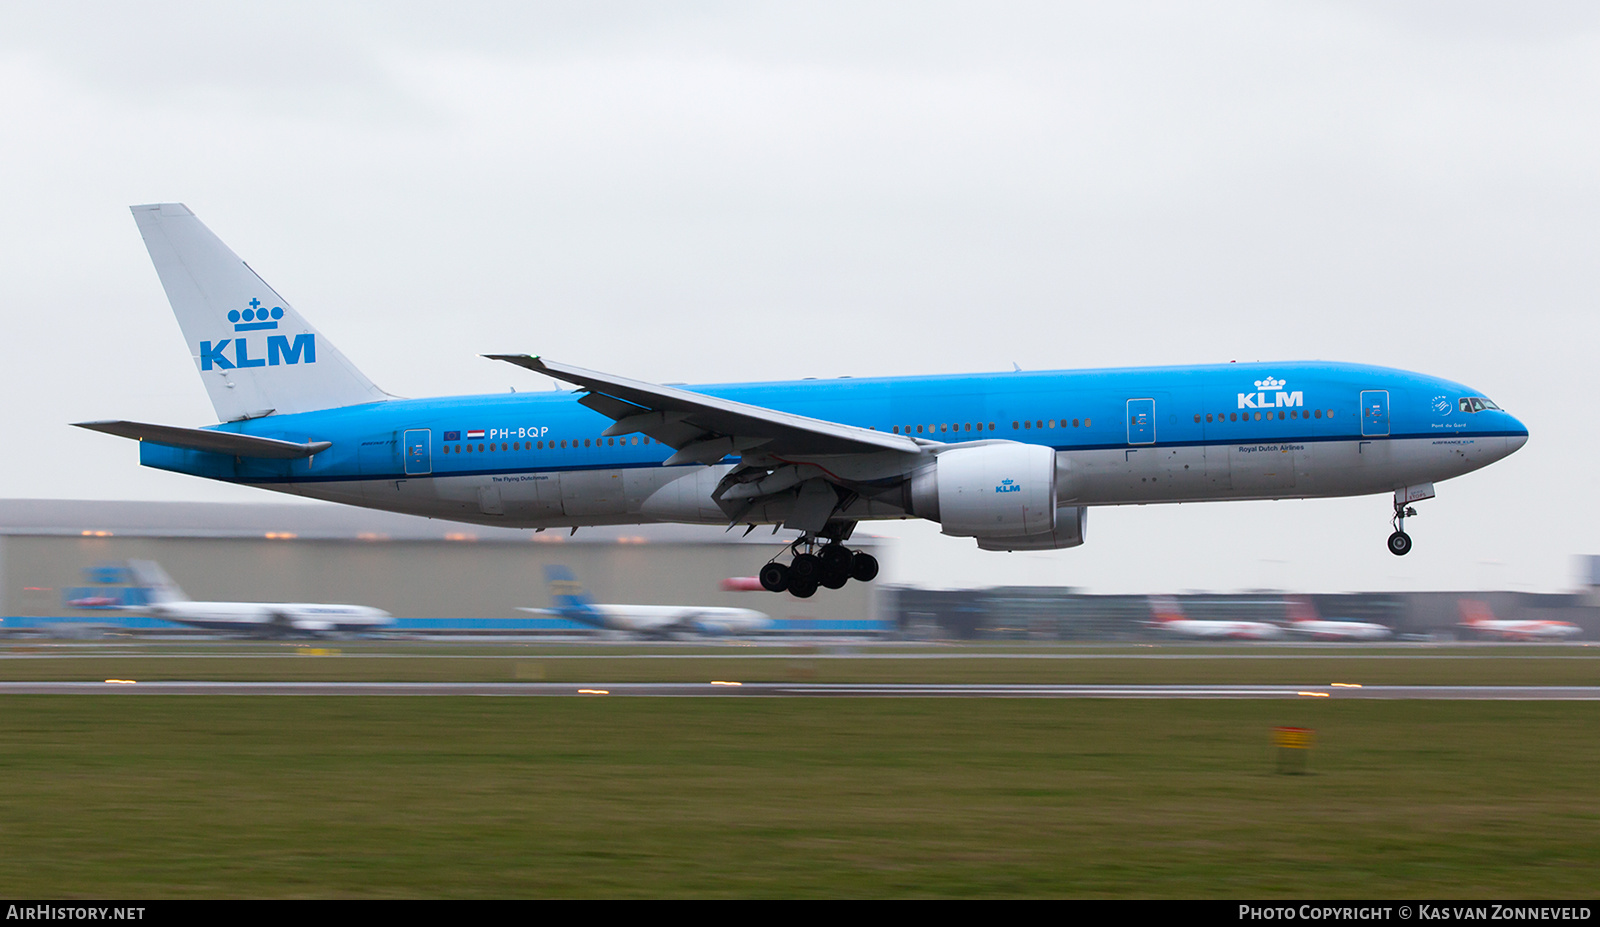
1477,404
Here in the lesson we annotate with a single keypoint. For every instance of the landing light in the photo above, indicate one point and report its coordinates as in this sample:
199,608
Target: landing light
121,682
594,692
1345,685
718,682
1314,694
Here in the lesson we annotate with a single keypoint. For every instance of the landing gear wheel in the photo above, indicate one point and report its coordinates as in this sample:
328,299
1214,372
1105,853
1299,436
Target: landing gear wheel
1399,543
835,555
774,577
863,567
805,567
802,588
834,575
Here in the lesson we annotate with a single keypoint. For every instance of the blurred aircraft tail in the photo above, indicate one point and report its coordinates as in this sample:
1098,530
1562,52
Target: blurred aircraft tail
1474,611
159,587
1164,608
566,593
1299,608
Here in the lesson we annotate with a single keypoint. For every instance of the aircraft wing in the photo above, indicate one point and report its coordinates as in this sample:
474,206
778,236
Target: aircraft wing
704,429
205,439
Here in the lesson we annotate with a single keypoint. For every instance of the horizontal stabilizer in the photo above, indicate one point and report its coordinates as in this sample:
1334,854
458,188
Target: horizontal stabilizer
217,442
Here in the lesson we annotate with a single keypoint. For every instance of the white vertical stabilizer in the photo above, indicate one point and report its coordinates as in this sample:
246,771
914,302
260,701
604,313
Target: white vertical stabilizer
255,353
158,586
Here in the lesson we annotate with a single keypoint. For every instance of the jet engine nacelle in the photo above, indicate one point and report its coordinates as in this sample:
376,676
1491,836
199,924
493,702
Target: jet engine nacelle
1071,520
993,490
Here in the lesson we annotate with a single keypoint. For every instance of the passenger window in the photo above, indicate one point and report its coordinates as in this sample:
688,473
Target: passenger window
919,429
1086,423
897,429
1233,416
1197,418
1026,425
1280,415
1258,416
1074,423
1208,418
1015,426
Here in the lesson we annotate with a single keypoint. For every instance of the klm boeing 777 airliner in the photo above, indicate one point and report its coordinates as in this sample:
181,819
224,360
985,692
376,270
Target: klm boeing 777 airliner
1012,460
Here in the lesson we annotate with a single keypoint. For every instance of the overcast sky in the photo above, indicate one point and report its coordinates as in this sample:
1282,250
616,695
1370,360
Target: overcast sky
720,192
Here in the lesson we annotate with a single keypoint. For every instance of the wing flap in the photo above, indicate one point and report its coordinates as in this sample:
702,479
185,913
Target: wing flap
203,439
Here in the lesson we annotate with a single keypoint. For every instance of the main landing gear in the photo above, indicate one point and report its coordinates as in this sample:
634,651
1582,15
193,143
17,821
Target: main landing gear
1400,542
831,565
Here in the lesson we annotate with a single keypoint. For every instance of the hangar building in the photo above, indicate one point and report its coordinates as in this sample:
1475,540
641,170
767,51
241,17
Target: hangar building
431,575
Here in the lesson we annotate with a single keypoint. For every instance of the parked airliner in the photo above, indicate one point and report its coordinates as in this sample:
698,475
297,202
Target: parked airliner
1012,460
1304,620
574,604
1478,617
1167,615
273,619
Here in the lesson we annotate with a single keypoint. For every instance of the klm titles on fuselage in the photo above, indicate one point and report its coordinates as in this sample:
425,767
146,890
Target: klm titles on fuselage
1278,400
279,349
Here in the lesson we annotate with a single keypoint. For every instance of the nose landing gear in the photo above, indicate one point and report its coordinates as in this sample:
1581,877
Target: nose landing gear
1400,542
831,565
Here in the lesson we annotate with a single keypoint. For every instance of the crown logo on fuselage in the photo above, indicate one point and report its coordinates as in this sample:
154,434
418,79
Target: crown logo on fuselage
255,318
1270,394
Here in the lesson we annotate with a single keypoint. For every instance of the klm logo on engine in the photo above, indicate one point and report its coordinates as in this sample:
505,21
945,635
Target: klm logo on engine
1278,398
279,350
1008,486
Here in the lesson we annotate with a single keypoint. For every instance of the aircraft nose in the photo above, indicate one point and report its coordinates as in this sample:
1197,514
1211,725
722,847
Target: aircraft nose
1518,436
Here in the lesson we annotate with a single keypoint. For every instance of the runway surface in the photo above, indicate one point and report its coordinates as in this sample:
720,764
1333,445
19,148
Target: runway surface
732,689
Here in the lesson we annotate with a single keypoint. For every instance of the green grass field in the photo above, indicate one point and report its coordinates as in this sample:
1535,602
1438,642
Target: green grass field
241,796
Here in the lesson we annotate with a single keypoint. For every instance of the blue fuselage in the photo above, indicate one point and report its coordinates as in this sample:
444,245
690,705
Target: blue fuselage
1137,435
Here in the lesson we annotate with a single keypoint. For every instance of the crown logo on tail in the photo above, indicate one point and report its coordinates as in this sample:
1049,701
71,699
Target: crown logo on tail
256,318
